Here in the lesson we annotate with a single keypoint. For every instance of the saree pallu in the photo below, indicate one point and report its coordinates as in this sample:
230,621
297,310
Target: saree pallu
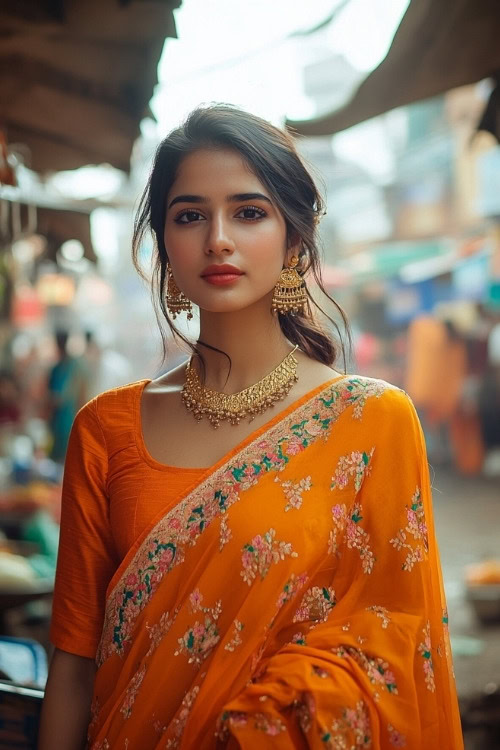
292,599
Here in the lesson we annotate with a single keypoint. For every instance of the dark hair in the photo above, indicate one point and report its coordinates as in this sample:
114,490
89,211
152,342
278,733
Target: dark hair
61,338
272,156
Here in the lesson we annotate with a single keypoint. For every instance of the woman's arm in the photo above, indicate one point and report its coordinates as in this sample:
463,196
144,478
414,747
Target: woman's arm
66,706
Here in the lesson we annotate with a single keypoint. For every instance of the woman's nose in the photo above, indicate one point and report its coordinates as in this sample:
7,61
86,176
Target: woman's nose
219,237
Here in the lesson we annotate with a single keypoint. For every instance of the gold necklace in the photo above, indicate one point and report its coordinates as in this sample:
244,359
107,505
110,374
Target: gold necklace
217,407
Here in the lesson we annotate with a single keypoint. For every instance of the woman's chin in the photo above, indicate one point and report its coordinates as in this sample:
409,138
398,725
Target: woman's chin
228,306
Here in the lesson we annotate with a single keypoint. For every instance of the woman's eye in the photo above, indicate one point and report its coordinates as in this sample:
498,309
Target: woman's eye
251,213
188,217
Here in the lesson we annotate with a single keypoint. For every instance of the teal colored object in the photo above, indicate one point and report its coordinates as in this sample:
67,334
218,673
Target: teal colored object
64,382
493,298
41,529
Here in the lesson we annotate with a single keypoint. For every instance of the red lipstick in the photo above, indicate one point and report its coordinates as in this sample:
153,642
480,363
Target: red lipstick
221,274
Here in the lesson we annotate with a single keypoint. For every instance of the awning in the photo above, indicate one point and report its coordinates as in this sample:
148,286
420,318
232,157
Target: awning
76,77
439,45
386,260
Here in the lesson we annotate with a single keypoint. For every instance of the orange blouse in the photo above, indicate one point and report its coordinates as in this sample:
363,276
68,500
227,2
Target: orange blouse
112,490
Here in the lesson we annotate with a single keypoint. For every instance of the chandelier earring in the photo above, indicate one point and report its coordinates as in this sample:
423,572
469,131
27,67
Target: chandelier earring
290,296
176,300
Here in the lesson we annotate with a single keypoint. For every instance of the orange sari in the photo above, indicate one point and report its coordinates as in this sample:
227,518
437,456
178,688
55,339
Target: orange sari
292,599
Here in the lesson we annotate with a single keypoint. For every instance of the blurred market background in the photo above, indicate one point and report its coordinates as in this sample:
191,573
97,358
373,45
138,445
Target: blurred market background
396,104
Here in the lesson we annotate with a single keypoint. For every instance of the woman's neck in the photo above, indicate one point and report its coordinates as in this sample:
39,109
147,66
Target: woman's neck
254,342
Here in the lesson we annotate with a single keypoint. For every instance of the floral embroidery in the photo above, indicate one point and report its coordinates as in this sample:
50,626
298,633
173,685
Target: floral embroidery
168,541
293,491
381,612
291,588
102,745
396,738
356,465
323,674
236,639
225,533
199,639
316,604
377,669
268,725
425,650
262,722
159,727
259,554
356,392
299,639
160,629
131,692
236,719
195,600
351,731
355,536
304,711
417,528
95,707
180,720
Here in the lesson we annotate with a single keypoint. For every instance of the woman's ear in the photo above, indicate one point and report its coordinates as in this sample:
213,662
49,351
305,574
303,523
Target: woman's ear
294,242
294,247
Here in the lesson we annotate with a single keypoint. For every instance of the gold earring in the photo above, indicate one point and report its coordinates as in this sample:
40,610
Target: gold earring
177,301
290,291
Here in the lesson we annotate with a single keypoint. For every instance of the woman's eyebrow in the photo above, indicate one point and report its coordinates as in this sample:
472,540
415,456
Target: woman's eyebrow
229,198
247,197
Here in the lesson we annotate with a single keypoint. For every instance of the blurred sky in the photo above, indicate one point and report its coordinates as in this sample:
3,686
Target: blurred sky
249,54
243,53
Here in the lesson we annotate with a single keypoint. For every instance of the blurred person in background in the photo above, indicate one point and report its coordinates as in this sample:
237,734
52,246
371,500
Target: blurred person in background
226,577
66,393
105,367
10,393
489,403
435,376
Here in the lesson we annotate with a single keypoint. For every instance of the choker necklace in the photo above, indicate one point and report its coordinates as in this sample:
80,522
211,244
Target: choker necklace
218,407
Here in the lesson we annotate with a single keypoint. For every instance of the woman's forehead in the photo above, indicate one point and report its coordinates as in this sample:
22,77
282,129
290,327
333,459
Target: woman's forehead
216,170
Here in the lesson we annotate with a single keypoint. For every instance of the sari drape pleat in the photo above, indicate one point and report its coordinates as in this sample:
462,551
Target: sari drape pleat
293,599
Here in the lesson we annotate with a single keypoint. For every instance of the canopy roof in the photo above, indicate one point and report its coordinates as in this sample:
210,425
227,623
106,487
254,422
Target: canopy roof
76,77
440,44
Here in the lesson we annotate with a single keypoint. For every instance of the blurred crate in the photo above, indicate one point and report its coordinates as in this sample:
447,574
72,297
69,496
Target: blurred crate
485,601
19,716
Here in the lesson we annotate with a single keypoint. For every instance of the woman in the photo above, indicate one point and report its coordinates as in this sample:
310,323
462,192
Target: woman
272,584
66,385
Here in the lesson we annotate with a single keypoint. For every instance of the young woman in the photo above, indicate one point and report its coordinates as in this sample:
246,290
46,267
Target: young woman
232,583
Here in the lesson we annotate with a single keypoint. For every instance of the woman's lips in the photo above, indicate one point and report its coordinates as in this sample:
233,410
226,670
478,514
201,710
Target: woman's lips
222,279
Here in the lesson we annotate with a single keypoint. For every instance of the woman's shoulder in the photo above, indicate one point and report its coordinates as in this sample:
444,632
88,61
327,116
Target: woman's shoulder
113,404
121,394
375,398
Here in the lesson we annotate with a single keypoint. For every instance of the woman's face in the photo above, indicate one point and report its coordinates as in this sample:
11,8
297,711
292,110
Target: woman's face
218,212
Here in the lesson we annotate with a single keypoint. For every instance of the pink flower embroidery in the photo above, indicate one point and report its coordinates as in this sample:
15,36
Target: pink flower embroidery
294,447
131,580
258,555
413,537
195,599
396,738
